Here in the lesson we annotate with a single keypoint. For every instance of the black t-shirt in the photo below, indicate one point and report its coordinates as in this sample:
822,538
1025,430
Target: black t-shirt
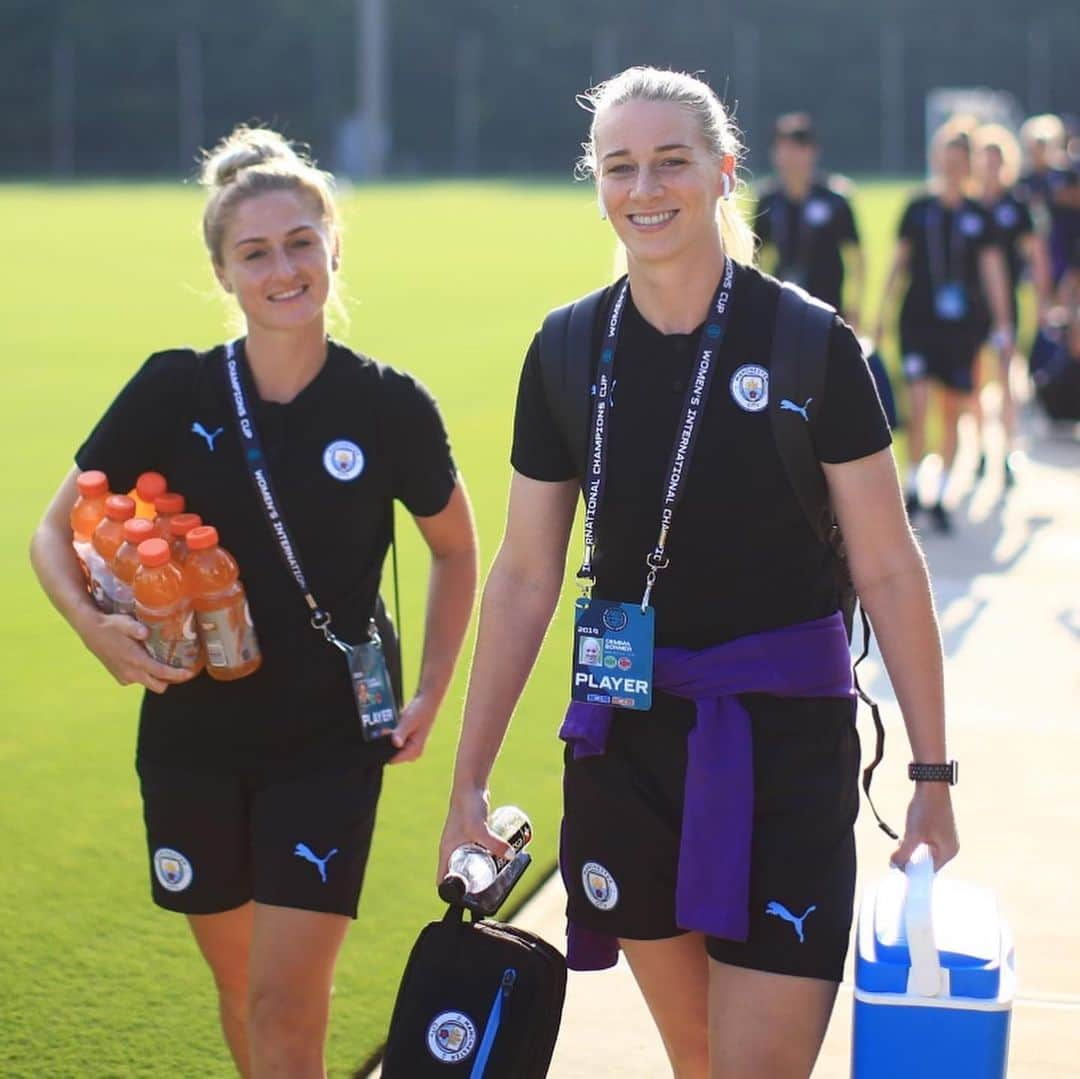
808,236
1012,220
356,437
743,557
1042,191
945,247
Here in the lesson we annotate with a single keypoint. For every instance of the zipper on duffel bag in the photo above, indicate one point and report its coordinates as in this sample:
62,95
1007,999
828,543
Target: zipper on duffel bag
491,1029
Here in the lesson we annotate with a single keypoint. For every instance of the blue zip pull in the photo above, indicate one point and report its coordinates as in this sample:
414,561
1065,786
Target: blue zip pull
491,1028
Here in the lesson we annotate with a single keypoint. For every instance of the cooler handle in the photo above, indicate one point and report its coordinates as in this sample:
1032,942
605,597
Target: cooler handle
926,978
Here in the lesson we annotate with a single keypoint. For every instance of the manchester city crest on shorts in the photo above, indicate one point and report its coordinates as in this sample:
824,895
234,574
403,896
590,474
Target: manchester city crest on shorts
344,460
1006,215
172,869
750,387
600,887
451,1037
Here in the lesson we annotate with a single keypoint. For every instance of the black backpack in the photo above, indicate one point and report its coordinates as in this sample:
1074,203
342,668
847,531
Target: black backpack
478,1000
796,373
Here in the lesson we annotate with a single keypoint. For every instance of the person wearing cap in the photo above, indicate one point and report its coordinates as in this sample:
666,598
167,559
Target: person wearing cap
260,794
806,224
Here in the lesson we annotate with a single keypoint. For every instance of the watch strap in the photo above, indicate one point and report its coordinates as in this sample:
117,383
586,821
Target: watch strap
934,773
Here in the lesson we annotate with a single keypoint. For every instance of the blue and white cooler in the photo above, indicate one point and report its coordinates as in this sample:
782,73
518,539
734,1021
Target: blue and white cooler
934,979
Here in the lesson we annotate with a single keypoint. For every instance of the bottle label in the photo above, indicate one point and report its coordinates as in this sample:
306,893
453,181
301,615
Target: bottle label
228,636
101,587
173,640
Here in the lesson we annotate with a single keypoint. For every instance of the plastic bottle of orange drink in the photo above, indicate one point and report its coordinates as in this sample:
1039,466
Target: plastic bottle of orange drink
179,526
221,609
106,539
126,562
87,512
162,605
147,487
166,507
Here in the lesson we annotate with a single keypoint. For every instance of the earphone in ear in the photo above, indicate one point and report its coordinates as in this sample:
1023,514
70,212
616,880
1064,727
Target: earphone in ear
725,179
600,206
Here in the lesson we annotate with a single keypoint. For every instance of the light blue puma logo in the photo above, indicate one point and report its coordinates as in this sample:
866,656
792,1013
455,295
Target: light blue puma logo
198,429
305,852
780,911
790,406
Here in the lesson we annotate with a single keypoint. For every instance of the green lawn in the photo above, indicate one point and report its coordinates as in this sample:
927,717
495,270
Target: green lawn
446,280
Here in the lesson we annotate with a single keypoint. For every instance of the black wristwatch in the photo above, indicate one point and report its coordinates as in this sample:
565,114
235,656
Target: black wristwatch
934,773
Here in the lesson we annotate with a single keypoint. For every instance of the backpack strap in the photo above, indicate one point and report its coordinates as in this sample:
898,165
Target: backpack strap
797,368
797,381
566,365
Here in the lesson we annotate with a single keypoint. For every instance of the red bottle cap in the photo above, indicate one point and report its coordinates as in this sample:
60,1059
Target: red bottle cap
93,484
181,524
138,529
151,485
154,552
119,507
201,539
169,502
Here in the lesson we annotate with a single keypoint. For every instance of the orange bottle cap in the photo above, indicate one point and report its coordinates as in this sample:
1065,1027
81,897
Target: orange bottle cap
150,485
154,552
119,507
169,502
93,484
137,529
201,539
181,524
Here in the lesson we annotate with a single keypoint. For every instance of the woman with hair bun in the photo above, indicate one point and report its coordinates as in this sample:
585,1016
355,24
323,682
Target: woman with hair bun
260,794
707,829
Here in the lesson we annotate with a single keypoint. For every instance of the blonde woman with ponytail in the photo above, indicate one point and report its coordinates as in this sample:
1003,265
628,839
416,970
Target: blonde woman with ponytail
708,828
260,794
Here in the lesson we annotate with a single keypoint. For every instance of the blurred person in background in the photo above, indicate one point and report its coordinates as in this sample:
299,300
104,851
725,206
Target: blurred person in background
947,251
713,843
1050,185
260,795
806,224
997,166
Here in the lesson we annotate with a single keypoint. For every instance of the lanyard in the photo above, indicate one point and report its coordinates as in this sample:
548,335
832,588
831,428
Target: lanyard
944,267
791,253
697,393
259,470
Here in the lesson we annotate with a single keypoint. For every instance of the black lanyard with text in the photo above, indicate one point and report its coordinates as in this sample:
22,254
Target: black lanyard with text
259,470
697,393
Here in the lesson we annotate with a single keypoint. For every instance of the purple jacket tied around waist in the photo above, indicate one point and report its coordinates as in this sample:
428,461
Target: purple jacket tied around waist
810,659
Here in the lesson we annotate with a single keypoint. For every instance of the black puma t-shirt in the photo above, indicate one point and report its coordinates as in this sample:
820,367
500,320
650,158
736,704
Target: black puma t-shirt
945,246
808,236
358,436
743,557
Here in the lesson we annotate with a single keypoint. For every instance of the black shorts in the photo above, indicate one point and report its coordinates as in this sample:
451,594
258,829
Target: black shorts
218,840
623,817
944,353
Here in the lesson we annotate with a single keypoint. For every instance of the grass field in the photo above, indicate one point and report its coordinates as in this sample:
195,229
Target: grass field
448,281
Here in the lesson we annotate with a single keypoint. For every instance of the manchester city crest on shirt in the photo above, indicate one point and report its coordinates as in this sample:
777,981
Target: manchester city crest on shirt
451,1037
344,460
971,224
817,212
172,869
1006,215
750,387
600,887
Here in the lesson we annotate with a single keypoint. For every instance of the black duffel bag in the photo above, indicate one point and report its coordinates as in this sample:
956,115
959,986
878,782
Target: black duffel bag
478,999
